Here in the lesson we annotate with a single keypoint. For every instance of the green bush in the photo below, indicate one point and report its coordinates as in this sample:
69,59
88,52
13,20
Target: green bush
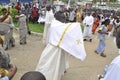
33,27
14,12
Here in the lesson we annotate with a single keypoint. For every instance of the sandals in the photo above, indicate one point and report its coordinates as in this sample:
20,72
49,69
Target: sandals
103,55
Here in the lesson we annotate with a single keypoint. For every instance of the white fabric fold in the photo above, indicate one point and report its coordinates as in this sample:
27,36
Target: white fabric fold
52,62
72,38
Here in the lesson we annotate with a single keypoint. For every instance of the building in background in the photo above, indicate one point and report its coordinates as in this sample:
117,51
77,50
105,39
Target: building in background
4,1
23,1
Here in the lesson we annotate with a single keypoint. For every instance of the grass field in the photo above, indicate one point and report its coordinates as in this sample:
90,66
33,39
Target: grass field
34,27
39,28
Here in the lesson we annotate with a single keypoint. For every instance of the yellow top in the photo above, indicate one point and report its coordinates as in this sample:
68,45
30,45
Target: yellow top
3,71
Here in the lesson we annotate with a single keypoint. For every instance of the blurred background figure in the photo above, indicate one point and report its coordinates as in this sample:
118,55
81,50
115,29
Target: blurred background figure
48,19
79,14
22,24
7,19
88,22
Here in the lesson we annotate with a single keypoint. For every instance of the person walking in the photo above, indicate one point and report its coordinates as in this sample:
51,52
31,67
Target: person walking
22,27
101,35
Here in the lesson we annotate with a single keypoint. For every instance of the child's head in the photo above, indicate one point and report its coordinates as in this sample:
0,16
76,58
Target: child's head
33,75
106,22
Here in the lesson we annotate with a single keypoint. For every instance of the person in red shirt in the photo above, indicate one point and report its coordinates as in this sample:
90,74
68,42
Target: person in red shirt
35,14
17,6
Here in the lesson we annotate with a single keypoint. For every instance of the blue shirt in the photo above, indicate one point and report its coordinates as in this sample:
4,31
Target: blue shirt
103,28
4,78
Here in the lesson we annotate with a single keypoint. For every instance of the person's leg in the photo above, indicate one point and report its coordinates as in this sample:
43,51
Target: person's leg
23,34
12,40
28,29
90,34
119,51
103,45
6,42
46,33
33,20
85,33
100,47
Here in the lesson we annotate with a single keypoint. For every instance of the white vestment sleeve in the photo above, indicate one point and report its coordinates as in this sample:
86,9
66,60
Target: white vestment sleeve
113,72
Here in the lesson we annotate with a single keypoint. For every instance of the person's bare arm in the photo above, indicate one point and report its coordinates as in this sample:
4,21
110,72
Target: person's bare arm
13,70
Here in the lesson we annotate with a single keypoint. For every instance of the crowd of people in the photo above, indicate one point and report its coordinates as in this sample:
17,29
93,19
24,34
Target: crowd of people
103,22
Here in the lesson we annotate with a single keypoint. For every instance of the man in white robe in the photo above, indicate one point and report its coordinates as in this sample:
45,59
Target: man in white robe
88,22
64,38
48,19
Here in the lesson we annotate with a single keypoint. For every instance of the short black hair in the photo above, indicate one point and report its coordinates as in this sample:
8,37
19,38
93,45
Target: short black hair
3,9
48,7
106,22
33,75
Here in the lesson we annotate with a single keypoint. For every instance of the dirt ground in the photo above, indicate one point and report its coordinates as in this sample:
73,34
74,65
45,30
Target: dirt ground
26,57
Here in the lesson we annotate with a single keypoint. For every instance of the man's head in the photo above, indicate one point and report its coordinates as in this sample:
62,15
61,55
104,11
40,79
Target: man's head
33,75
48,7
